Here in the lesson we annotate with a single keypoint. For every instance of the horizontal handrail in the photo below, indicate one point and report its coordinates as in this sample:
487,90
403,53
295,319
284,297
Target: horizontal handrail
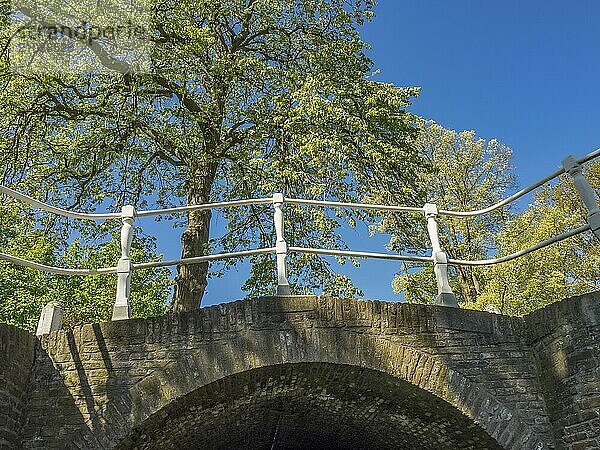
319,251
204,206
366,206
538,246
201,259
57,270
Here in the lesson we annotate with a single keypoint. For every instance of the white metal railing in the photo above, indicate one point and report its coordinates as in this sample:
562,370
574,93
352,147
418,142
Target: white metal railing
438,257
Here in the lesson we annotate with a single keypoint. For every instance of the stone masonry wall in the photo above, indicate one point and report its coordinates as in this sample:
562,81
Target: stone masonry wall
16,361
530,383
565,338
111,377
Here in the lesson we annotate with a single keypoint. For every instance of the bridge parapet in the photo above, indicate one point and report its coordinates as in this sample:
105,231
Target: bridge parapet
16,359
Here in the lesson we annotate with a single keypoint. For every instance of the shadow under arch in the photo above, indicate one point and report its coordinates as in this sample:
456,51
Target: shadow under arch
309,406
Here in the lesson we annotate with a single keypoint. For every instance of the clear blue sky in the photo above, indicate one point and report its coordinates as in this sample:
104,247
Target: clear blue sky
524,72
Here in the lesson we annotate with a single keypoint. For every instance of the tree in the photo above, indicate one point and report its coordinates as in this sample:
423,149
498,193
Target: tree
555,272
468,173
244,98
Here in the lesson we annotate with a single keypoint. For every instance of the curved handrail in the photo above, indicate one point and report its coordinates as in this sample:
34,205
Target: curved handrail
538,246
506,201
104,216
589,156
57,270
154,264
519,194
53,209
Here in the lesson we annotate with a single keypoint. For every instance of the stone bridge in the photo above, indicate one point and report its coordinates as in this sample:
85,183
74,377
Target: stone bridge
308,372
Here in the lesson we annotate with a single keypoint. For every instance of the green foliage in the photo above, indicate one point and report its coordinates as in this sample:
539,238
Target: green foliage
468,173
23,291
555,272
416,283
91,299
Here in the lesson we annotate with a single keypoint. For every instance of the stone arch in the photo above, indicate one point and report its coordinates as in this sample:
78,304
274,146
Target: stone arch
342,348
309,406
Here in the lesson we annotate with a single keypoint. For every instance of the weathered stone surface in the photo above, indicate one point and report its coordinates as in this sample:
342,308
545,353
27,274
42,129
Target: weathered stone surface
565,338
309,405
308,372
16,361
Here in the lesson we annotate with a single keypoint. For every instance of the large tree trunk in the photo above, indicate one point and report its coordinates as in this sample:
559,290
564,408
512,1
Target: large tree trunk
191,279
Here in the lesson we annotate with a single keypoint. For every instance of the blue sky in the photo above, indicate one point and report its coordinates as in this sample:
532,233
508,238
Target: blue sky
524,72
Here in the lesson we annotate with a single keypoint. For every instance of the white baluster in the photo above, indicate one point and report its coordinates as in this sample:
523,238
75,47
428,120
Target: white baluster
122,309
283,287
587,194
440,261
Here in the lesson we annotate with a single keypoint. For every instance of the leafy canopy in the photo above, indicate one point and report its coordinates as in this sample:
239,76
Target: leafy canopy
244,98
555,272
468,173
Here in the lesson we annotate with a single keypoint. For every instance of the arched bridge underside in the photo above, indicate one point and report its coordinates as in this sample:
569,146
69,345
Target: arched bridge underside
309,405
308,372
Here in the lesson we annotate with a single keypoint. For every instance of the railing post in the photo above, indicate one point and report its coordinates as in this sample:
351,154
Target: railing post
283,287
122,309
51,319
587,194
445,295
